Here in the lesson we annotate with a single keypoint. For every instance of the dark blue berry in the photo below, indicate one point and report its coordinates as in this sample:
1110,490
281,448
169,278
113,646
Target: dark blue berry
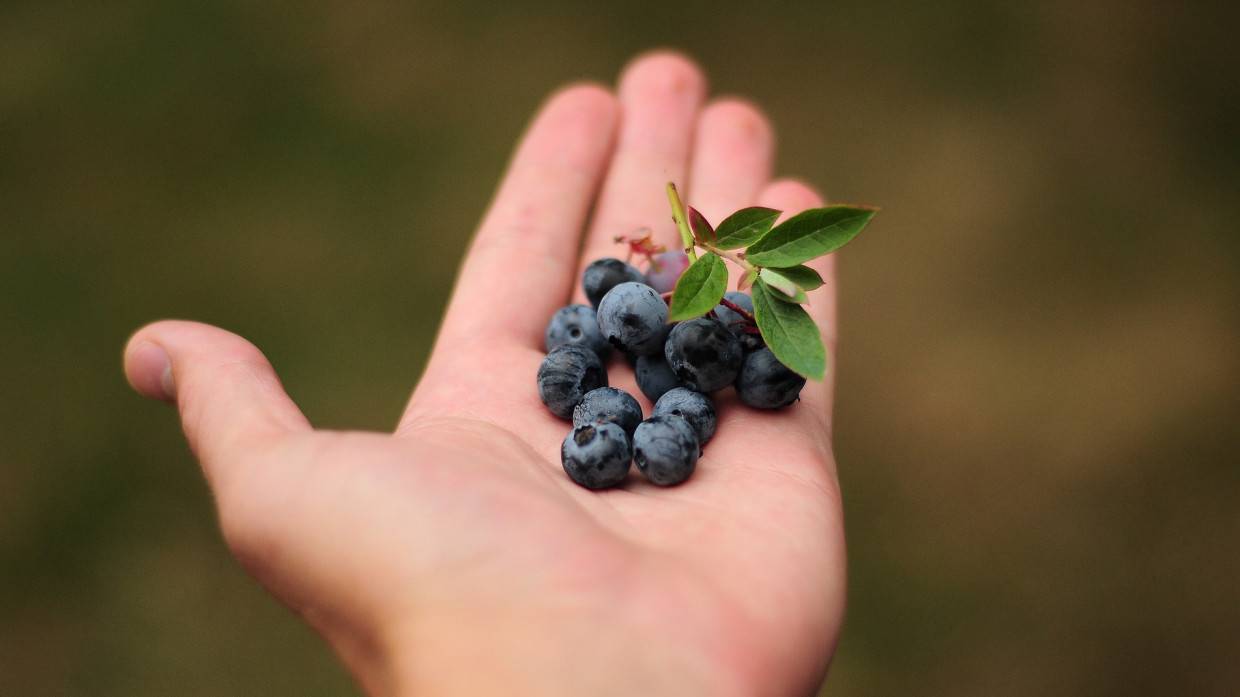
604,274
704,354
611,405
633,318
596,455
694,407
766,383
730,318
576,325
654,376
750,341
665,449
665,269
566,375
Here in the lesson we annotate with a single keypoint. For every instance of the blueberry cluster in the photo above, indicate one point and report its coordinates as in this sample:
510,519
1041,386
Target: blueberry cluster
676,366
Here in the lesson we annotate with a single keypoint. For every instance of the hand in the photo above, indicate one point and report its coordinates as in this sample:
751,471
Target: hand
454,556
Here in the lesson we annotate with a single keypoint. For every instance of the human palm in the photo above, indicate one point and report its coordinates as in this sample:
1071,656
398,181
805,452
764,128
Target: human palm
454,555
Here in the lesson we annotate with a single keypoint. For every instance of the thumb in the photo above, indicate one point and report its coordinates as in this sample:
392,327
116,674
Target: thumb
228,395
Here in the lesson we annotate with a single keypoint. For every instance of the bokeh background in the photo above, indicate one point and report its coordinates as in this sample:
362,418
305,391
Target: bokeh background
1038,378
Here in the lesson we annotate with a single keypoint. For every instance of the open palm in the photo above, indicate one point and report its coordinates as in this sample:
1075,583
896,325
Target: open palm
454,555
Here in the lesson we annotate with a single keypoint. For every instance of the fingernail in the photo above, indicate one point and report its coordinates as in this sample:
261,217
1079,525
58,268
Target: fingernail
150,371
165,380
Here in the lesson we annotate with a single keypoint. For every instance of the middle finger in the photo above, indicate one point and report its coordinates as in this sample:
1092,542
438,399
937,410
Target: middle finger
660,95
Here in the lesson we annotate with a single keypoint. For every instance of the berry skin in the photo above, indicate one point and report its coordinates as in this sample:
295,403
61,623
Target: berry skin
604,274
694,407
730,318
633,318
665,270
577,325
596,455
665,449
734,322
704,354
766,383
654,376
610,405
566,375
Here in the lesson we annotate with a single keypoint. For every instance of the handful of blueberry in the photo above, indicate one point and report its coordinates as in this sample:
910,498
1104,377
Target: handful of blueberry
686,338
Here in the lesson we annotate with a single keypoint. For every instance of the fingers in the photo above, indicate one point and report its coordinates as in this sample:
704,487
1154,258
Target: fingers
230,400
660,94
732,156
792,197
526,247
731,162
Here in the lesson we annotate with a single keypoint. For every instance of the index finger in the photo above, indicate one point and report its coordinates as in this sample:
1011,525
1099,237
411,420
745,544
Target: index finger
526,247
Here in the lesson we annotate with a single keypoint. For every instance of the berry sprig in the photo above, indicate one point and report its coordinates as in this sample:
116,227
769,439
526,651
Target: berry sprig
686,339
773,259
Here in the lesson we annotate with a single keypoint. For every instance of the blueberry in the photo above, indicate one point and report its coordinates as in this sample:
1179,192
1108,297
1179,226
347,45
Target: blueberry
665,449
578,325
704,354
566,375
596,455
733,321
654,376
665,270
694,407
731,318
611,405
604,274
633,318
766,383
750,341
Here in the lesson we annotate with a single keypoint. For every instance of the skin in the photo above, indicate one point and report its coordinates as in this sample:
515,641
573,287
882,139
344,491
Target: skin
453,556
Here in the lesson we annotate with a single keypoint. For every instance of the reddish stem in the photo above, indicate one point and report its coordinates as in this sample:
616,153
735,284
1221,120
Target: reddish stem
736,308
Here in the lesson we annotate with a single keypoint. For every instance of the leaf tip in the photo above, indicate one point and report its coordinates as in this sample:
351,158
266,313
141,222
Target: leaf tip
861,207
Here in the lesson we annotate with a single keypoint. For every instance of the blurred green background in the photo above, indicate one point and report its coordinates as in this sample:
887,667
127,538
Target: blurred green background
1038,378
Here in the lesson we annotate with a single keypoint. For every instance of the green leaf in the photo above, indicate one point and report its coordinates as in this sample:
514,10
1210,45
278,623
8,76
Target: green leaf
797,298
807,235
744,227
779,282
702,231
789,332
806,278
699,288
